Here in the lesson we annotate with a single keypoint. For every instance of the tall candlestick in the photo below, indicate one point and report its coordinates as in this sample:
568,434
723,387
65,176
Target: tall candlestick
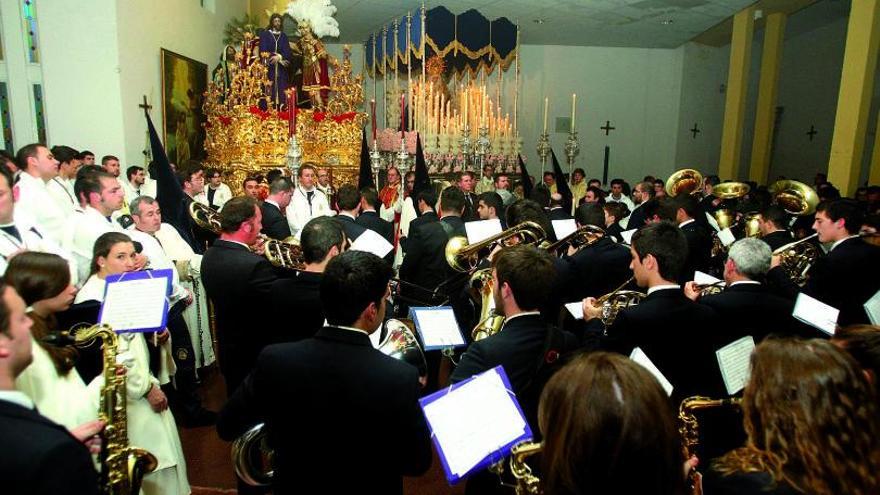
546,104
573,106
402,114
373,116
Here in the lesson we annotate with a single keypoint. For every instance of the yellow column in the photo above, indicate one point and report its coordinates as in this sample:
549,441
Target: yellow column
854,99
737,88
874,174
771,57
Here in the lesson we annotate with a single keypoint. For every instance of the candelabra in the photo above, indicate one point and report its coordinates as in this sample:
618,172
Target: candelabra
543,150
482,147
375,162
464,145
294,155
402,155
571,149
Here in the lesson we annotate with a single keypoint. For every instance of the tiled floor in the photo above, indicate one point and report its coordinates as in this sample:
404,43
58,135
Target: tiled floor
209,465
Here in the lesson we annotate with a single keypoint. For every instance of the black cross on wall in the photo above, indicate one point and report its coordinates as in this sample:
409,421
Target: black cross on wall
812,132
146,106
696,130
607,127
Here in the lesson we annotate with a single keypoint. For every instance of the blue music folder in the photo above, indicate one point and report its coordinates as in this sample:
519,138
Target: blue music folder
475,423
437,327
136,301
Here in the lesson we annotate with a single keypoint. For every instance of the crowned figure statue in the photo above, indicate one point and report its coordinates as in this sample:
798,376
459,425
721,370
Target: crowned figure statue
314,20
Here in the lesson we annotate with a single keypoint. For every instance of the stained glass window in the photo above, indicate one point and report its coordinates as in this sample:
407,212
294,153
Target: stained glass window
30,30
39,113
6,119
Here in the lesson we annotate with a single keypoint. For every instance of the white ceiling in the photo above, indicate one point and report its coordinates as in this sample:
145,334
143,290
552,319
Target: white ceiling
629,23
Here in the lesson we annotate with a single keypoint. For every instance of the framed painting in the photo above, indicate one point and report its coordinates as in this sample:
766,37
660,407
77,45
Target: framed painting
184,82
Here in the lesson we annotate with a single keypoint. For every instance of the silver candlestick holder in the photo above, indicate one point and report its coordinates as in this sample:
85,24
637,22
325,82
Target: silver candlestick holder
543,150
402,155
572,148
483,147
375,162
465,147
294,157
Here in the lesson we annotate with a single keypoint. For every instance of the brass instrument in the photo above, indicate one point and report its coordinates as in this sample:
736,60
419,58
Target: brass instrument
794,197
616,300
122,466
464,257
711,289
797,257
252,458
684,181
752,224
283,254
580,238
689,428
490,321
526,482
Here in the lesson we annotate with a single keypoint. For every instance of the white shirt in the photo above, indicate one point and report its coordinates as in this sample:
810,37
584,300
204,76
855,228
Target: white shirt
34,199
221,195
299,211
623,199
686,222
524,313
62,192
159,260
663,287
84,229
17,398
837,243
745,282
130,191
32,239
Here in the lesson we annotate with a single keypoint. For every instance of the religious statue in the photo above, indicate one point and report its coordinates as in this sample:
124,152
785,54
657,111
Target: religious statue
225,70
274,42
349,89
315,20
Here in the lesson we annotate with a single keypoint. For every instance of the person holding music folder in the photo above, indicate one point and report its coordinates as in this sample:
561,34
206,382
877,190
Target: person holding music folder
773,224
39,457
746,306
323,395
239,282
673,331
849,274
812,421
322,239
601,403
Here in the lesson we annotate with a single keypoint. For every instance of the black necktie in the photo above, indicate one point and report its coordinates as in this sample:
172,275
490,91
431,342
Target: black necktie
12,230
309,196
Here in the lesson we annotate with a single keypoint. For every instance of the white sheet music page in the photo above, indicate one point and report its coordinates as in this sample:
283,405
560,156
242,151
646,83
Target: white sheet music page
815,313
564,227
438,327
872,307
627,235
371,242
733,359
576,309
639,356
726,237
480,230
474,420
702,278
135,304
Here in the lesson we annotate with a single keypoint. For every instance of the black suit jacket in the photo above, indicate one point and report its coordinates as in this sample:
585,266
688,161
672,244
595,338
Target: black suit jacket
699,257
593,271
470,207
299,296
778,239
239,283
559,213
751,309
372,221
274,223
352,229
323,397
844,278
425,262
636,218
41,457
427,217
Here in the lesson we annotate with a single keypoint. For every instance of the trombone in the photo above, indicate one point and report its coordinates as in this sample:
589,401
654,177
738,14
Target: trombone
579,239
464,257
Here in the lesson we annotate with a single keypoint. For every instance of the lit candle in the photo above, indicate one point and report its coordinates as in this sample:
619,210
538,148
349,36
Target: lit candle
373,117
294,109
574,97
402,113
546,103
464,111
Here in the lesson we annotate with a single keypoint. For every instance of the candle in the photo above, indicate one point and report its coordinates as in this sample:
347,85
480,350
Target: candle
402,113
295,110
373,117
546,103
574,97
464,111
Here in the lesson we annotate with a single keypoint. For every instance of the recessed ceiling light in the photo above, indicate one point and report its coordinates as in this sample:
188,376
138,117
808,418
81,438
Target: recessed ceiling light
538,21
666,22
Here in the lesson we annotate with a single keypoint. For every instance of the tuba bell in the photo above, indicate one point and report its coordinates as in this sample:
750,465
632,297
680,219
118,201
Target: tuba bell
464,257
726,217
400,343
205,217
684,181
579,239
794,197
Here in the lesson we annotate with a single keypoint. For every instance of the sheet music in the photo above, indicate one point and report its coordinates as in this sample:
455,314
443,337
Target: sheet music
372,242
564,227
480,230
576,309
872,307
733,359
639,356
815,313
438,327
726,237
702,278
627,235
137,304
474,420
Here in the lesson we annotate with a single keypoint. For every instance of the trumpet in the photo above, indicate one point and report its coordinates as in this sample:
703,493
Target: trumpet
464,257
616,300
580,238
797,257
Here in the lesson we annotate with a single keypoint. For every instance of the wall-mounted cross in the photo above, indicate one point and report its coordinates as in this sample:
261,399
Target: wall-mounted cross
812,132
695,130
607,127
146,106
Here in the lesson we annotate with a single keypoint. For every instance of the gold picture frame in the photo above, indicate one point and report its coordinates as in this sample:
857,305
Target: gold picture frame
184,82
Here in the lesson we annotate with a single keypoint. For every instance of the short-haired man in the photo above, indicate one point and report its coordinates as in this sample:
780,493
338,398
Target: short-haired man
502,187
322,240
424,202
216,193
773,223
61,186
251,187
617,195
466,184
490,206
642,193
38,456
550,181
308,201
849,274
348,200
369,216
101,195
87,157
111,165
324,184
746,306
526,210
135,178
239,282
557,210
274,206
336,389
699,239
665,318
594,196
710,203
38,167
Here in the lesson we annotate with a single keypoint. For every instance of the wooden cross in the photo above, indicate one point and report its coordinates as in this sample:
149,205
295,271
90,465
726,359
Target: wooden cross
812,132
695,130
607,127
146,106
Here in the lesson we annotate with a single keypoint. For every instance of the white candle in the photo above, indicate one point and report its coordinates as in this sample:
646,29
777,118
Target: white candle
546,103
573,106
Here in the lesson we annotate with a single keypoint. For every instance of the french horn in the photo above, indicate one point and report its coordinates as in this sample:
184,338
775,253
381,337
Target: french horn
616,300
465,257
797,257
579,239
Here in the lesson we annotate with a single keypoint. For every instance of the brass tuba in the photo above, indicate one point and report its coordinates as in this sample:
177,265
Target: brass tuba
490,321
579,239
400,343
122,466
684,181
464,257
205,217
616,300
726,217
794,197
689,428
797,257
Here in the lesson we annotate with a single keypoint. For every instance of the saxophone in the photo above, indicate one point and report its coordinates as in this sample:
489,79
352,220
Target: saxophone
689,428
122,466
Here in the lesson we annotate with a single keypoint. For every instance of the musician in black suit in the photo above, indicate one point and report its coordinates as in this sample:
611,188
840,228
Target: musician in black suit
746,306
321,240
425,202
642,193
849,274
38,456
348,199
321,396
491,207
557,210
466,183
239,283
699,239
774,227
369,216
275,223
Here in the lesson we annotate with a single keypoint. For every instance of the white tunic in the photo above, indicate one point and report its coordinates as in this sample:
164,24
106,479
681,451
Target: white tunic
32,239
221,195
62,192
300,211
34,199
84,229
